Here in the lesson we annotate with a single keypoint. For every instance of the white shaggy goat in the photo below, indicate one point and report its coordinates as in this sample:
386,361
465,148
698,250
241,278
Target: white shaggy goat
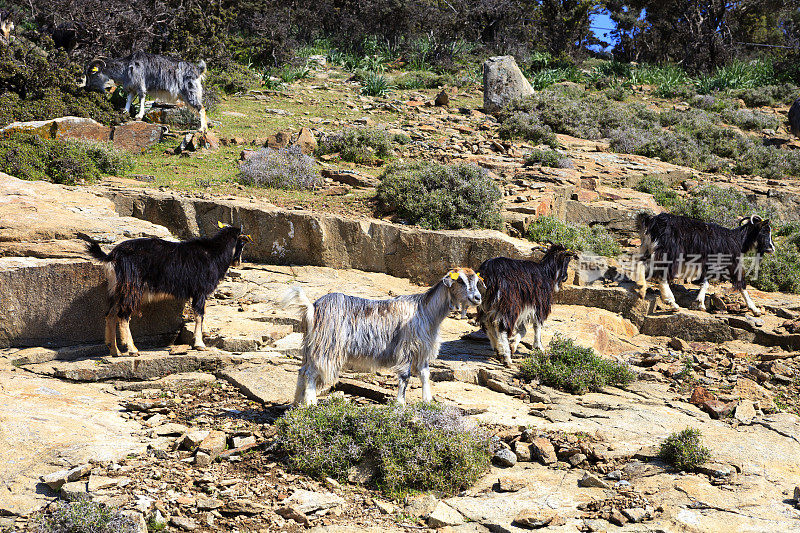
401,333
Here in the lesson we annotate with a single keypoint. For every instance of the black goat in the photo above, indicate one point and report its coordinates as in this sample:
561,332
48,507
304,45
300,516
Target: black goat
144,270
675,246
517,292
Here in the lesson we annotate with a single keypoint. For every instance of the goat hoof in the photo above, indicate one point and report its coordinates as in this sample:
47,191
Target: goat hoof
201,347
697,304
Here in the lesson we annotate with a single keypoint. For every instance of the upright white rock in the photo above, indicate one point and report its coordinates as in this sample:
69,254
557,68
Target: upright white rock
502,82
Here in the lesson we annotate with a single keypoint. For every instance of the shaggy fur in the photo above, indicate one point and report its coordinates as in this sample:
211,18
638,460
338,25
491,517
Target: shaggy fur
6,27
519,292
672,240
142,270
152,75
401,333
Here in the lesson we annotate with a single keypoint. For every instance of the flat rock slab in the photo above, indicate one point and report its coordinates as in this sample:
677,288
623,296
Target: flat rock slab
48,425
266,383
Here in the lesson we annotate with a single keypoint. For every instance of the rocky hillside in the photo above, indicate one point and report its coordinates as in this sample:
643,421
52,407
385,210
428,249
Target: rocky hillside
184,440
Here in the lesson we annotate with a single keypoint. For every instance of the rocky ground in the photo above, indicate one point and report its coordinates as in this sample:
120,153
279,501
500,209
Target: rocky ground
186,439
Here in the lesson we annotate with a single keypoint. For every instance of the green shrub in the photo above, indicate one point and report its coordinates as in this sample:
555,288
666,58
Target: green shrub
33,87
528,127
287,168
438,196
375,85
581,237
548,158
359,145
231,77
780,270
60,161
545,78
82,517
662,194
767,95
684,451
712,203
416,447
574,369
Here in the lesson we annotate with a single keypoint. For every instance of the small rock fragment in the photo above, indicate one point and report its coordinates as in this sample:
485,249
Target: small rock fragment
504,458
590,480
444,515
522,450
184,523
542,449
535,518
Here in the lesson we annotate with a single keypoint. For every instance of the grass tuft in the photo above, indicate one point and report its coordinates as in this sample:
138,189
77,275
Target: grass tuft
574,369
684,450
416,447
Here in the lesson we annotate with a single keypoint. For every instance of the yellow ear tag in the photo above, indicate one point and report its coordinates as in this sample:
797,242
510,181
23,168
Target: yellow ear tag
454,275
479,276
95,69
220,224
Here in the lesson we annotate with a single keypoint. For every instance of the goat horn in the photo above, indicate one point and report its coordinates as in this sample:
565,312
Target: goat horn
755,219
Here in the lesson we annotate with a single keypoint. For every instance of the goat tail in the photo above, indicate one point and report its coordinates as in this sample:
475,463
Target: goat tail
202,66
97,252
296,297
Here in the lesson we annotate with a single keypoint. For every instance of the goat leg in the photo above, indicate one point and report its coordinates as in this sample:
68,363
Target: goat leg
203,119
111,333
403,378
700,301
641,279
667,296
126,337
537,337
749,301
198,332
140,114
424,377
505,349
128,103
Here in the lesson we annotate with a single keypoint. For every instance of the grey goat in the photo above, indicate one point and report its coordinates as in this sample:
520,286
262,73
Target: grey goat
160,77
401,333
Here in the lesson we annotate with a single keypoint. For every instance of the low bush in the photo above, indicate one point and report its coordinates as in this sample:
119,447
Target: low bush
438,196
574,369
596,239
548,158
416,447
67,162
747,119
684,451
528,127
780,270
712,203
767,95
231,77
662,194
40,85
82,517
359,145
287,168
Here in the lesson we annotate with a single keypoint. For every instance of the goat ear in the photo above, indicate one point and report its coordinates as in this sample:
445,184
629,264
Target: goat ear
220,224
96,65
449,278
481,284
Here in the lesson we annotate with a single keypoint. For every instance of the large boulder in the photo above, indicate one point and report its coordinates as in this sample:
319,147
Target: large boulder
61,128
137,136
502,82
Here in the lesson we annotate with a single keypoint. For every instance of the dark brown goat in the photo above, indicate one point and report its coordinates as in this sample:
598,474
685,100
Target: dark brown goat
143,270
518,292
